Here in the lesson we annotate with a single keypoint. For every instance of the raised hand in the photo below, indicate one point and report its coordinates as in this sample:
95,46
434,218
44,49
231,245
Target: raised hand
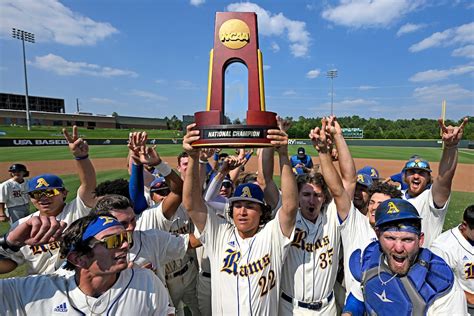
140,152
190,137
36,230
333,126
77,145
279,140
283,124
451,135
319,138
230,163
206,153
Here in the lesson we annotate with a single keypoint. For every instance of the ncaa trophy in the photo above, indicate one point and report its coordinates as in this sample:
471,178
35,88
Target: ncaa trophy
235,40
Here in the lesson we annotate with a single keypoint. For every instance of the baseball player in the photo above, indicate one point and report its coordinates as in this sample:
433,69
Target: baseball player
310,268
431,196
456,247
246,257
96,250
371,171
361,193
14,201
301,162
47,194
170,216
396,276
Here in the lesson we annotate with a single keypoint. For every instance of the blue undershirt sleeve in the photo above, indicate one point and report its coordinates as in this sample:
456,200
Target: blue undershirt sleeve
137,190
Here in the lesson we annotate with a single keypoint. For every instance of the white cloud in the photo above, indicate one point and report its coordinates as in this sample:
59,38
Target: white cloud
63,67
275,47
104,101
196,3
289,93
270,24
356,102
313,74
365,88
409,28
436,93
466,51
186,85
51,21
463,34
369,13
437,75
151,96
266,67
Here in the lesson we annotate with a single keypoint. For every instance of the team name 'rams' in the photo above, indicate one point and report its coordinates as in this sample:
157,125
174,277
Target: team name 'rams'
299,241
233,258
37,250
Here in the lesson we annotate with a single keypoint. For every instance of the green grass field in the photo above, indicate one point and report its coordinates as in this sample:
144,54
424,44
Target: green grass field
7,154
56,131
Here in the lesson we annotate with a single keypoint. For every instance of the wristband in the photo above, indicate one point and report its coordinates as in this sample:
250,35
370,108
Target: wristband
204,162
5,245
163,169
248,155
82,158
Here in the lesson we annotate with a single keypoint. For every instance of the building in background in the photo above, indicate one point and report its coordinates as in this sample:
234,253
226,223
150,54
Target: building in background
9,101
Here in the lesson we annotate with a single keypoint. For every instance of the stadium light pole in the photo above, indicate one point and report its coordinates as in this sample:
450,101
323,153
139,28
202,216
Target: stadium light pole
332,74
29,37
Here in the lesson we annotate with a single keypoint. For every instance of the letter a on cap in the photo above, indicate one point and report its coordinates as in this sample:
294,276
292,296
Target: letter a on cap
392,208
41,182
246,192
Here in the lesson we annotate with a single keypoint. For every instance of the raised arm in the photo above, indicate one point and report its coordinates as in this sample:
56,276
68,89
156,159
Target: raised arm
320,140
346,163
85,169
192,189
289,190
451,135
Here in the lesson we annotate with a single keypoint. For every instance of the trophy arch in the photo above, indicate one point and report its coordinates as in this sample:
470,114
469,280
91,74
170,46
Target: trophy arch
235,86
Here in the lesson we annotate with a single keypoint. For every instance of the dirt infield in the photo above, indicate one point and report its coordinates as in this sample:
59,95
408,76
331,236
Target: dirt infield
463,179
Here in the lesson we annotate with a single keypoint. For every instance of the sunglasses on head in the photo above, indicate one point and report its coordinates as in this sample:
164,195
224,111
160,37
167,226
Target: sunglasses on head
114,241
417,164
37,195
227,185
161,191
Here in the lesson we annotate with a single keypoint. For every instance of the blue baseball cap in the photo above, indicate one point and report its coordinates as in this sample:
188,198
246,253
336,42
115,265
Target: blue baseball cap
417,163
395,210
371,171
248,192
158,182
45,182
364,179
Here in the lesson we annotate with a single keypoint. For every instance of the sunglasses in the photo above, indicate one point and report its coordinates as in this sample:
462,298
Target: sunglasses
161,191
37,195
417,164
227,185
114,241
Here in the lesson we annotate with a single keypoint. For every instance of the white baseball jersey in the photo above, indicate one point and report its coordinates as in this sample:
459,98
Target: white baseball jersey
458,254
356,233
13,193
310,268
136,292
156,248
432,218
245,273
44,259
180,223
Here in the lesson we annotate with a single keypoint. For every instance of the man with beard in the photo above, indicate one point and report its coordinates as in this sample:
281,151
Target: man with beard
431,196
361,193
396,276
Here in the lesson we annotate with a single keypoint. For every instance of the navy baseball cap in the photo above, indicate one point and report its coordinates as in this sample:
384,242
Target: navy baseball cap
364,179
45,182
417,163
248,192
395,210
159,182
301,151
371,171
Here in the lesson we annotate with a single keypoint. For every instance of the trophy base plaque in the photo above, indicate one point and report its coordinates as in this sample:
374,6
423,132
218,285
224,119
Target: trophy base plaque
231,135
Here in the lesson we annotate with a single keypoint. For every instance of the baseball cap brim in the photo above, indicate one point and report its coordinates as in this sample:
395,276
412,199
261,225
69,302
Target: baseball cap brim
240,198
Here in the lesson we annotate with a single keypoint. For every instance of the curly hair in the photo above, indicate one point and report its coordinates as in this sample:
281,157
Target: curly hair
72,238
315,178
264,218
385,188
117,186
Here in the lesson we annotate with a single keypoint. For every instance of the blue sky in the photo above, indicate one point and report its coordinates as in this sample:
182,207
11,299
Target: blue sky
395,59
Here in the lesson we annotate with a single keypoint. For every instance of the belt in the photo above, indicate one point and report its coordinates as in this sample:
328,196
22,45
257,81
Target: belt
315,306
179,272
206,274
